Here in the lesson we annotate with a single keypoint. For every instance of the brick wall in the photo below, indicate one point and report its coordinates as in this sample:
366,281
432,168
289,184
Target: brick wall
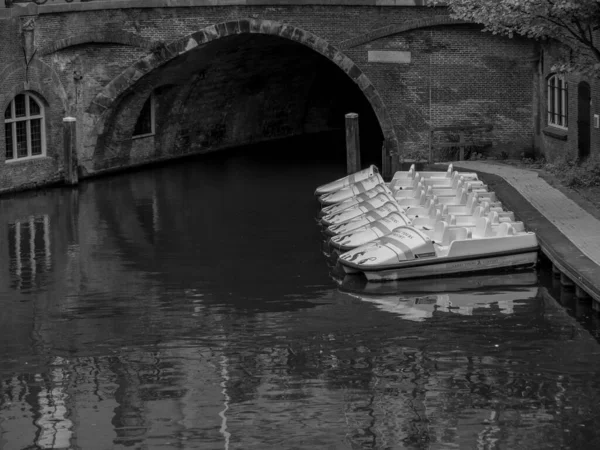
559,144
456,74
459,75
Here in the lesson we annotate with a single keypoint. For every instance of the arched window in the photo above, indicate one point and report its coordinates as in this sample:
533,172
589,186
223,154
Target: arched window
558,102
24,128
145,122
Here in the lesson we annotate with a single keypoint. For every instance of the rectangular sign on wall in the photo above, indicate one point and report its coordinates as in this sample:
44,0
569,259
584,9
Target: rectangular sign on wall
389,56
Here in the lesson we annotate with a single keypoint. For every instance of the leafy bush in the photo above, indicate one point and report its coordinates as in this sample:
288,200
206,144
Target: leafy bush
574,173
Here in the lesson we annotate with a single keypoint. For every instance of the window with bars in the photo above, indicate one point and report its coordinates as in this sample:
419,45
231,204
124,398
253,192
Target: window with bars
24,129
145,122
558,102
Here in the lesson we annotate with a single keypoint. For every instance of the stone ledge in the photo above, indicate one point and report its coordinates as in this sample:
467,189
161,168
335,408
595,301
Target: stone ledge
556,133
95,5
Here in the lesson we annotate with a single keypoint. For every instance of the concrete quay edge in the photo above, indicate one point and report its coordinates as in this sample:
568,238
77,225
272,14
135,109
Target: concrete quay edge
569,236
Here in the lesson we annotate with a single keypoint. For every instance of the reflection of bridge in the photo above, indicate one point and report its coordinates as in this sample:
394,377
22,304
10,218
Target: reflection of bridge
149,80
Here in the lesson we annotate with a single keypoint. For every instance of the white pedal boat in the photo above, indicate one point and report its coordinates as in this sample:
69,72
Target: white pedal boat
370,232
351,190
356,210
474,199
411,253
346,181
481,211
455,182
438,175
419,200
462,197
412,173
337,207
365,219
450,182
387,225
465,185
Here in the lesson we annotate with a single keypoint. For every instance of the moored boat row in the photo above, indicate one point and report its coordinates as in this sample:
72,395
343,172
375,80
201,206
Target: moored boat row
421,224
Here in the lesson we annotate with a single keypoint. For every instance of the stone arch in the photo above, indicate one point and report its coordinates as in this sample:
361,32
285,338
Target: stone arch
396,28
100,37
106,99
29,79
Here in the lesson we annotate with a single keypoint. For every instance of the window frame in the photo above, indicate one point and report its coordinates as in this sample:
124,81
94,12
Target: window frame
27,118
557,102
152,132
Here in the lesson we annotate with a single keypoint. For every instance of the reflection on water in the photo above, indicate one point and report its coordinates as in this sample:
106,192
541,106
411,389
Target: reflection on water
191,307
29,250
419,299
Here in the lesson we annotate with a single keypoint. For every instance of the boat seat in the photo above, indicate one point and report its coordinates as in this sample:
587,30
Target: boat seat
434,216
519,227
410,173
454,234
438,232
420,199
483,228
461,198
505,229
494,217
408,192
401,184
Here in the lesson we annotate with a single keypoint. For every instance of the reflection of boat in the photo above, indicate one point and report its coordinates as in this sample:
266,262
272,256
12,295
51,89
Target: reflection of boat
346,181
504,281
458,295
411,253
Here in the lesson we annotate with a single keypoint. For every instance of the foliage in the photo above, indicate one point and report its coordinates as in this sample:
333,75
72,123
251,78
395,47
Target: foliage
574,173
573,23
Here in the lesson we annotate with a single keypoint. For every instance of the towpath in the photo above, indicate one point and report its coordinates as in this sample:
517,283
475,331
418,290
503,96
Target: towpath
568,234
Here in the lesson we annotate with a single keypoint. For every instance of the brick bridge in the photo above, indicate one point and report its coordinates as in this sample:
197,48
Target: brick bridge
155,79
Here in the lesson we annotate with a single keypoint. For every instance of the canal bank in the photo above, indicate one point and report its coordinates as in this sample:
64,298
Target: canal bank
568,230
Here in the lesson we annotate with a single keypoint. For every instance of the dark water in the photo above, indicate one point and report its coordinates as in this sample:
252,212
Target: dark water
191,307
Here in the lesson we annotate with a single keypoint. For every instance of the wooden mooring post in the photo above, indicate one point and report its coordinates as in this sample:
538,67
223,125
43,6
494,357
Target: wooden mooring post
70,150
352,143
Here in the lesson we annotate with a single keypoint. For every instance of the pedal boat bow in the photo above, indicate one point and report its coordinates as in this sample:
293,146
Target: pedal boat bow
365,219
346,181
351,190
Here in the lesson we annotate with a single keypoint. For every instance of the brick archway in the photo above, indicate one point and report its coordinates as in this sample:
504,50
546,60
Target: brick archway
106,99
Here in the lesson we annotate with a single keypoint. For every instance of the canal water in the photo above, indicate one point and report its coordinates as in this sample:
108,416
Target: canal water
194,306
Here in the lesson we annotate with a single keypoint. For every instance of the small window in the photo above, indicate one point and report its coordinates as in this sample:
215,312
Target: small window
558,102
24,128
145,123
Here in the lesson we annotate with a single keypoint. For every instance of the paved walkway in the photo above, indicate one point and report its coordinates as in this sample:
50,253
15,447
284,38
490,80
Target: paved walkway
575,225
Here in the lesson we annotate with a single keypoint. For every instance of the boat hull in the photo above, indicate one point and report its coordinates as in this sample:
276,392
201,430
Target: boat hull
433,267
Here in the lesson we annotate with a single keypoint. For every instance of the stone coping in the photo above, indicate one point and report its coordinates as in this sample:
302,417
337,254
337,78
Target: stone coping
28,9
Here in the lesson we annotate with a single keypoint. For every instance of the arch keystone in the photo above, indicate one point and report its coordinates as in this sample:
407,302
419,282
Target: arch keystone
244,25
190,44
